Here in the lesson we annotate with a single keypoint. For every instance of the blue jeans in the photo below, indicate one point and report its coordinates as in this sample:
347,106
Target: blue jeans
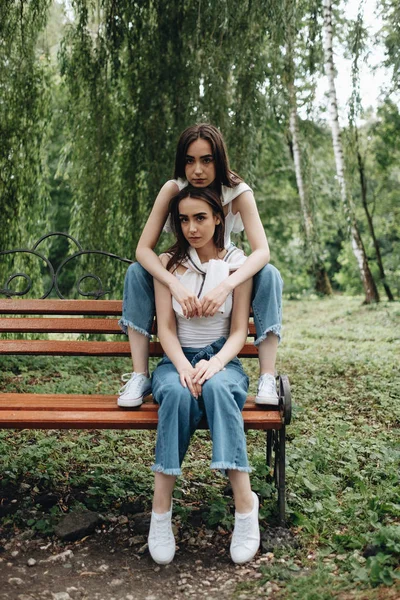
222,400
138,306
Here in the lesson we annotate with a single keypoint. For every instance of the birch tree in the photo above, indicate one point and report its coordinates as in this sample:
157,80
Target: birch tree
298,18
317,268
370,289
355,106
321,280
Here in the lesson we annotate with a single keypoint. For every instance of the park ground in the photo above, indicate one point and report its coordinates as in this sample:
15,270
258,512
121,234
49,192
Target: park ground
343,538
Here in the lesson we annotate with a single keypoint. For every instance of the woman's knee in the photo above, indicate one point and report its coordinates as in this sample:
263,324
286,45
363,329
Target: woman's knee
270,275
139,285
219,392
175,398
136,272
138,304
215,386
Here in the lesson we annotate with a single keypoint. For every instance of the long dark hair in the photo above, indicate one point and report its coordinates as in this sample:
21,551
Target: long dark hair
178,251
205,131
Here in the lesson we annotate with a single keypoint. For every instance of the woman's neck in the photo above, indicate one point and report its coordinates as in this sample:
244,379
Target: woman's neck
210,252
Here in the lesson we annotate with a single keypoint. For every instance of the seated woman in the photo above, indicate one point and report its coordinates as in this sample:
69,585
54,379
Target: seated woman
200,374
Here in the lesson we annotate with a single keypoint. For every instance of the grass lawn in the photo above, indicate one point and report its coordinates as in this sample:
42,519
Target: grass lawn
343,452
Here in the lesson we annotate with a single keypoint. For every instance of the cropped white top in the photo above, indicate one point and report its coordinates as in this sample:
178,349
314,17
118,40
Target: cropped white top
233,223
198,332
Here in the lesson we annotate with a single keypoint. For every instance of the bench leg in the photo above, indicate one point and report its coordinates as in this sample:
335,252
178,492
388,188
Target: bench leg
269,450
276,441
281,472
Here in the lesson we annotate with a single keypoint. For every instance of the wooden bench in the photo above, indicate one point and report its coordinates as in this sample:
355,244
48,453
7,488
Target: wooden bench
72,411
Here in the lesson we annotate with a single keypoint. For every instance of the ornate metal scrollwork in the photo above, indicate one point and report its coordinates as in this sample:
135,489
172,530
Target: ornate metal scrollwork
55,274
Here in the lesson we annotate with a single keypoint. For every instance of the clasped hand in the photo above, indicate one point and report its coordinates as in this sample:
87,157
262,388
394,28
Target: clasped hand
211,302
194,377
187,376
193,307
205,369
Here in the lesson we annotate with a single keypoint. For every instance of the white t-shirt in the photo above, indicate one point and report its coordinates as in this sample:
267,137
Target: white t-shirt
233,223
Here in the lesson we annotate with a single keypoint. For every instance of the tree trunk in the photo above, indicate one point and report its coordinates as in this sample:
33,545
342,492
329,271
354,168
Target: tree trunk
370,289
321,280
363,183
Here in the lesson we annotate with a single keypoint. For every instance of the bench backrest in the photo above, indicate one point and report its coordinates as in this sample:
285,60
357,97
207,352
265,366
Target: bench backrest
72,317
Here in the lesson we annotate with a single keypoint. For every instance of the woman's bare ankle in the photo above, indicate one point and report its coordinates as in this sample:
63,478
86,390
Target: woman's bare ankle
162,506
244,504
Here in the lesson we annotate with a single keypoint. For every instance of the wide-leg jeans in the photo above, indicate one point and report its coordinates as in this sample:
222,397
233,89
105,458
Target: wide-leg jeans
221,402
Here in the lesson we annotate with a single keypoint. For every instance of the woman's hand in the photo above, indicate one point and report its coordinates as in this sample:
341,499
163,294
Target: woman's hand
205,369
211,302
186,376
190,304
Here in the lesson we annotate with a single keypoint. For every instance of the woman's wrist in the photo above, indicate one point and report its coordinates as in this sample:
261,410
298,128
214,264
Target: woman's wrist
171,280
219,360
183,365
229,286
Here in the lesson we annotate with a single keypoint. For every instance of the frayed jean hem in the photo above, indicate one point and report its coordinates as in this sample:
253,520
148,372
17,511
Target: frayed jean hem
276,329
124,324
224,467
160,469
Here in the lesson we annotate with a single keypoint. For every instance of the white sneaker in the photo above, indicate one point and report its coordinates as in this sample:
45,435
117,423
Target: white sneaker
161,539
137,386
246,535
266,391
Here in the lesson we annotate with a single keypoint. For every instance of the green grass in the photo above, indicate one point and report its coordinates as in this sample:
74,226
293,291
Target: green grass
343,452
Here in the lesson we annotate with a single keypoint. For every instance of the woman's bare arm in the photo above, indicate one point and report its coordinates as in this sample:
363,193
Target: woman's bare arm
166,331
239,322
246,205
149,260
237,335
259,257
150,235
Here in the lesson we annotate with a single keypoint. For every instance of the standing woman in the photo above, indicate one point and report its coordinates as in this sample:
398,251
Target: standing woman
200,374
202,161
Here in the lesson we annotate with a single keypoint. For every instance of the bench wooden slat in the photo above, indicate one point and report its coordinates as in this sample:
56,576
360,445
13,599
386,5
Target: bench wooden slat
71,348
15,401
79,411
60,307
63,307
69,325
122,419
84,348
78,419
48,325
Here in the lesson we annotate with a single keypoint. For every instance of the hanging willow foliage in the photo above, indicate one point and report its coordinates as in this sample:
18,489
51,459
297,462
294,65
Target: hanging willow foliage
24,107
136,75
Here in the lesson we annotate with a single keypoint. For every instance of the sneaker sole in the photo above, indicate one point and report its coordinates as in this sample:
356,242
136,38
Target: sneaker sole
132,403
270,401
163,562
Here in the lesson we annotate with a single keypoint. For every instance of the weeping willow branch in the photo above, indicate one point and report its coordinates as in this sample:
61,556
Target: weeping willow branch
24,118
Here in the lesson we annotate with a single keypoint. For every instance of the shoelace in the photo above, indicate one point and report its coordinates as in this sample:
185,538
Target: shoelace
268,382
241,531
130,379
163,531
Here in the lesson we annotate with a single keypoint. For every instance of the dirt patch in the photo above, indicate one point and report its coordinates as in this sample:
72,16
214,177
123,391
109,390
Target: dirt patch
114,566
